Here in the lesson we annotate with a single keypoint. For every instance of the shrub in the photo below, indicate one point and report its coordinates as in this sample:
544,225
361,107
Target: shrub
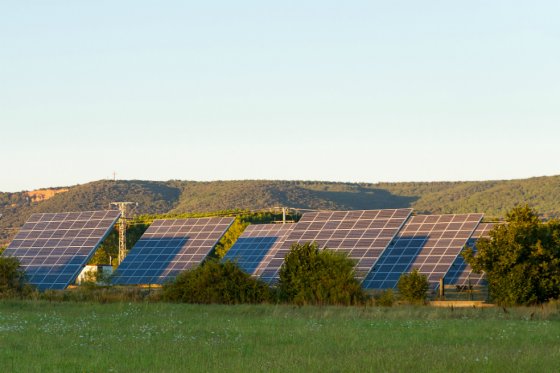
12,278
385,298
313,276
89,292
521,259
413,287
216,282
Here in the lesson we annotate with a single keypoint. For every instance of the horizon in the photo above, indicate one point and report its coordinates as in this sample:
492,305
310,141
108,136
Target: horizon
274,180
358,92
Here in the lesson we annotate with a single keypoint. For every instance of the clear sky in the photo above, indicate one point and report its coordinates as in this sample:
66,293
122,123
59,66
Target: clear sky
315,90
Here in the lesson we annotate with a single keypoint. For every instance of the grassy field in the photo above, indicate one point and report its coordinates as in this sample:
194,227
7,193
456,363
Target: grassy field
138,337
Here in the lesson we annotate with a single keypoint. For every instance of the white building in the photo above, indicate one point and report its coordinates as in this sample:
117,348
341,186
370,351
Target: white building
90,273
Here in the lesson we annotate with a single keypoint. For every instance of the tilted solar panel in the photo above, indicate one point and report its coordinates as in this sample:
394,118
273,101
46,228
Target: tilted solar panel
362,234
258,244
461,273
53,248
429,243
169,247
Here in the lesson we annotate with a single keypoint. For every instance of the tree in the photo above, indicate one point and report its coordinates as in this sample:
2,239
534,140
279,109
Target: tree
12,277
413,286
230,237
313,276
216,282
521,259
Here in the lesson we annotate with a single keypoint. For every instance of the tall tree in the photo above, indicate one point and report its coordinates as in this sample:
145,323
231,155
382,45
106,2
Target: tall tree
521,259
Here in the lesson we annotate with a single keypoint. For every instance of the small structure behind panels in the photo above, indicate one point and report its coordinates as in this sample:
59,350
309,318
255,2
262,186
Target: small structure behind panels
169,247
98,274
53,248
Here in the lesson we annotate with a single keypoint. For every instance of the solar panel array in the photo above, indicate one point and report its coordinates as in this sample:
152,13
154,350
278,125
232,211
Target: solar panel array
362,234
169,247
461,273
429,243
482,231
258,244
53,248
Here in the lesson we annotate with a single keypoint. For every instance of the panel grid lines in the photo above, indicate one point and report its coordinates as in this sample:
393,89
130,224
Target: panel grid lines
461,273
53,247
258,244
362,234
169,247
429,243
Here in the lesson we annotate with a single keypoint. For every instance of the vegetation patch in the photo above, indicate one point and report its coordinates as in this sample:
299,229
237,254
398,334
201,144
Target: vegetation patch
494,198
216,282
521,259
413,287
310,275
12,279
160,337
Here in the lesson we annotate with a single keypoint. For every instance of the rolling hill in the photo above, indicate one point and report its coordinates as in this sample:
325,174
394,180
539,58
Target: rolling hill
493,198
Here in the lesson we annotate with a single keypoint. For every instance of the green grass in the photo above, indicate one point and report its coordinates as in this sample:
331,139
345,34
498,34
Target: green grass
158,337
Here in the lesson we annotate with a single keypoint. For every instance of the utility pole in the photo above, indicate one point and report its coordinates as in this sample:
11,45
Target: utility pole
284,212
122,227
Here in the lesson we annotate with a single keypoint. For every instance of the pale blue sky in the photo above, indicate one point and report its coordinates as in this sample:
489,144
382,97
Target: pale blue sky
315,90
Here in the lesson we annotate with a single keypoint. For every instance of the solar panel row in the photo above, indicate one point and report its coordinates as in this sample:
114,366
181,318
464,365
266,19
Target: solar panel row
169,247
461,273
53,248
257,245
362,234
429,243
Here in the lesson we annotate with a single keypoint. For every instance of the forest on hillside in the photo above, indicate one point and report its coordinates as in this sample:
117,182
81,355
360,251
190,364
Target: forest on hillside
493,198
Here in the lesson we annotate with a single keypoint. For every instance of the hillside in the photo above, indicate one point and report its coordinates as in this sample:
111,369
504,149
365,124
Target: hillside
152,197
493,198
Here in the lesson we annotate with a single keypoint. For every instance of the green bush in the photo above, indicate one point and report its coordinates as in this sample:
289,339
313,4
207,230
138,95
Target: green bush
216,282
89,292
12,278
385,298
313,276
521,259
413,286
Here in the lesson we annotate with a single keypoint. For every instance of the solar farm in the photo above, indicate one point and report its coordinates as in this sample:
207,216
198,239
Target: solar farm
384,244
151,335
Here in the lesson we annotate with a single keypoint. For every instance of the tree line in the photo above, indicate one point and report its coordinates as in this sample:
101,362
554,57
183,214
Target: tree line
494,198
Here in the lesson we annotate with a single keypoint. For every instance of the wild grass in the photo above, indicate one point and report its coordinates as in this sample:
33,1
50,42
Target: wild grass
41,336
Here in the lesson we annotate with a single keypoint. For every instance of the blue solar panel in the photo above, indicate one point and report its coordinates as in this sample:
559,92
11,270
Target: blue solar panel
429,243
362,234
53,248
461,273
258,244
169,247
